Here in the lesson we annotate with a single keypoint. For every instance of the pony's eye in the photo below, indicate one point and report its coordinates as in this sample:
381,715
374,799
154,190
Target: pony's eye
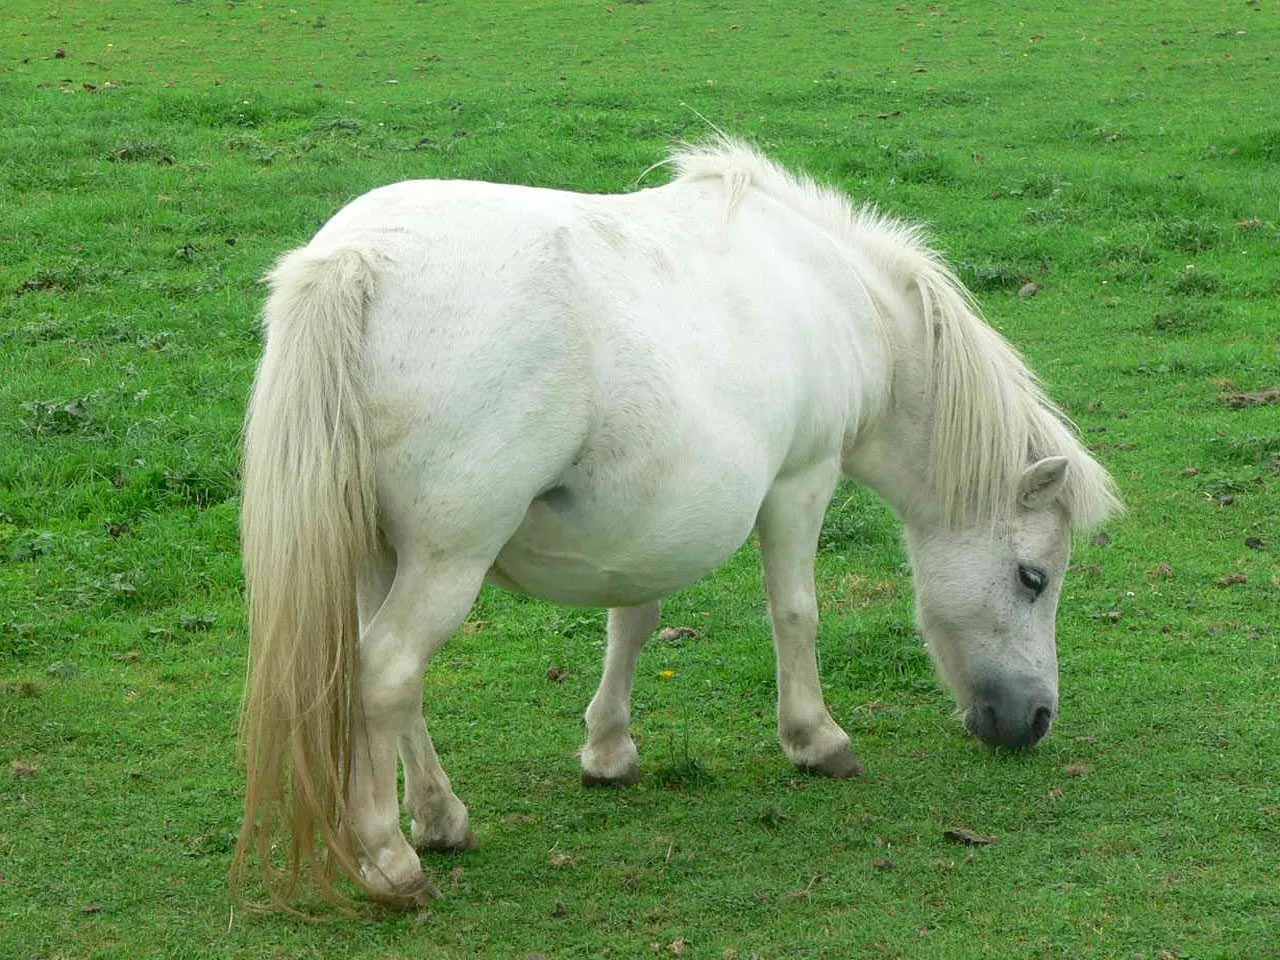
1033,579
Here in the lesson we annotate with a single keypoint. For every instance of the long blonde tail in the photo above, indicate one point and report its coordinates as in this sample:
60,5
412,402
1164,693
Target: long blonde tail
307,526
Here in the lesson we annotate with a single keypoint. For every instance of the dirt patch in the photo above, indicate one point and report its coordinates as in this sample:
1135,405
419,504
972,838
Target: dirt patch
1255,398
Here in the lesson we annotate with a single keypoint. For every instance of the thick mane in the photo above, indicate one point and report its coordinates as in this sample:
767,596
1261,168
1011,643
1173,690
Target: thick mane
990,416
991,419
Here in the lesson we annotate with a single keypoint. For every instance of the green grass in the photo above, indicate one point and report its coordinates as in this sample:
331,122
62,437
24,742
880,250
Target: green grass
1127,157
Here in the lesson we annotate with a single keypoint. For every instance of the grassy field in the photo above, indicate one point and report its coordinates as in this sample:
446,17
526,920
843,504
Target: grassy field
158,156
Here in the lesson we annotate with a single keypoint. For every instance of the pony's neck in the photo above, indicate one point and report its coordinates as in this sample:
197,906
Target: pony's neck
890,453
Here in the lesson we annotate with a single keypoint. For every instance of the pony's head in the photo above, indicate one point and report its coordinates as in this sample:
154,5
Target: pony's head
986,601
1009,482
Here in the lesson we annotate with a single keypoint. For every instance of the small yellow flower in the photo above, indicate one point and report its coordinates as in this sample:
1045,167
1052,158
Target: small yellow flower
666,674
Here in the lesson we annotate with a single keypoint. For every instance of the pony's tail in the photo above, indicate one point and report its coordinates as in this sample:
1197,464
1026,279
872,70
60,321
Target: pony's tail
307,526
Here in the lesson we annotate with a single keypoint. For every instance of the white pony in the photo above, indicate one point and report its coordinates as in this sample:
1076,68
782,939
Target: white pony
595,400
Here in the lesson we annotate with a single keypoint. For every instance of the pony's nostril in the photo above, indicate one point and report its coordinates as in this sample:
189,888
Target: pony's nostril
1040,721
980,720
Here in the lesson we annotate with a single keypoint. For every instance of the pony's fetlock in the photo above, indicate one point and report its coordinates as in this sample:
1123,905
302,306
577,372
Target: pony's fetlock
613,763
822,747
395,877
839,765
445,825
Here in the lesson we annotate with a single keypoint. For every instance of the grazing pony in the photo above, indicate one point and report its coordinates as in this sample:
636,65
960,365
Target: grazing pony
596,400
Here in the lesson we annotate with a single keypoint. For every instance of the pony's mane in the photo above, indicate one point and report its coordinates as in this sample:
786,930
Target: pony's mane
990,416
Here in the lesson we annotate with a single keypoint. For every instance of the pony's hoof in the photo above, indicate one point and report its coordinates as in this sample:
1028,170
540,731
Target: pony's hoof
440,844
840,765
628,778
415,891
422,891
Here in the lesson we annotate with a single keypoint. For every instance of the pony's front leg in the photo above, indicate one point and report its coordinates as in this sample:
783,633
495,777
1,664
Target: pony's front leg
421,611
789,523
609,756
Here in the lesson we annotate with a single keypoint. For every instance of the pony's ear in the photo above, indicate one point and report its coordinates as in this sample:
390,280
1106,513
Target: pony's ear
1041,483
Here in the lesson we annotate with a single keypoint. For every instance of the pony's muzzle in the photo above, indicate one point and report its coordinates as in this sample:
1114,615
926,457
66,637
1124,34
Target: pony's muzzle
1014,714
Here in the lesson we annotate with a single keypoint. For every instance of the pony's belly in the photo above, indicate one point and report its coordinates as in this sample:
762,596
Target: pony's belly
559,559
577,581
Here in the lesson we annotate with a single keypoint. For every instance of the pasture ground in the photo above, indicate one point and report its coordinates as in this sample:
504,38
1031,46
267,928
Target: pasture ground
158,156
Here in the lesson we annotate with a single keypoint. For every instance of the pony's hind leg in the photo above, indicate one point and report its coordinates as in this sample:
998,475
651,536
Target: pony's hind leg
440,819
424,607
789,523
375,582
609,756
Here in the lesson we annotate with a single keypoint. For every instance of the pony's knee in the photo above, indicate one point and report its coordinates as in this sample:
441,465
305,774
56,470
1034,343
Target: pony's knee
391,690
795,618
